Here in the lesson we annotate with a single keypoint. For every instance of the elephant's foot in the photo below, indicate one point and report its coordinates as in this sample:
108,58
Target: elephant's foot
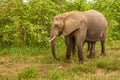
90,56
80,61
68,61
68,57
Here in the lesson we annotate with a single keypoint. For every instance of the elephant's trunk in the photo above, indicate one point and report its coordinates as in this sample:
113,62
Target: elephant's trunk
53,45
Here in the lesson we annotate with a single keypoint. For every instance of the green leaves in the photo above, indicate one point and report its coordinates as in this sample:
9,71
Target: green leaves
29,23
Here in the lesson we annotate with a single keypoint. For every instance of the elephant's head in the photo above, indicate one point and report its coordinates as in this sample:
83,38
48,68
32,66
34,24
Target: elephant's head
64,24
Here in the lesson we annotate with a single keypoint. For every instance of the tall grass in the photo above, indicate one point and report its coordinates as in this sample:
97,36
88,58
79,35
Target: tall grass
30,63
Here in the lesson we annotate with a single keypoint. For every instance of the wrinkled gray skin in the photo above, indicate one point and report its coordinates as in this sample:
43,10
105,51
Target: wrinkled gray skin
77,28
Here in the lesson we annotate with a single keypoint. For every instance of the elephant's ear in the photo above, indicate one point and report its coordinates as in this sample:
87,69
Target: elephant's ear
71,24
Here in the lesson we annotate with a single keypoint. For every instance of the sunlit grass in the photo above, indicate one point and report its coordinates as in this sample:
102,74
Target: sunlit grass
28,73
33,63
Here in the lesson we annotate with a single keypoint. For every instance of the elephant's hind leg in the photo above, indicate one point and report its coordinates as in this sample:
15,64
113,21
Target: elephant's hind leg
80,50
89,46
92,50
103,48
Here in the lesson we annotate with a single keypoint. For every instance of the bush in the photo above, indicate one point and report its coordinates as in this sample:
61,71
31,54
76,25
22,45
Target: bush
29,23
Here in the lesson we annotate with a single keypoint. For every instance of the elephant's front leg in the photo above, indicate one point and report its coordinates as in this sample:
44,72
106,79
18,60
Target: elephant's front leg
79,44
73,46
68,42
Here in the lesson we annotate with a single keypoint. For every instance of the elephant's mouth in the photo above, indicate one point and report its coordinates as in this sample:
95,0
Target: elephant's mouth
60,33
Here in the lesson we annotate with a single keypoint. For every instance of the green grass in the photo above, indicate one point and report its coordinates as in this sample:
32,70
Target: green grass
28,73
26,50
109,64
8,77
33,63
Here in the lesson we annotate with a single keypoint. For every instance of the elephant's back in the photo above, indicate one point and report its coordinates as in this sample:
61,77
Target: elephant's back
97,25
95,17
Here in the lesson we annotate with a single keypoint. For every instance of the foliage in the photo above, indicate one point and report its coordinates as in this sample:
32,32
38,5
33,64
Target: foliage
29,23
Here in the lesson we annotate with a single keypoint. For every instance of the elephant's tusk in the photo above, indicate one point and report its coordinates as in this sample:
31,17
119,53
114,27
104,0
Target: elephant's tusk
52,39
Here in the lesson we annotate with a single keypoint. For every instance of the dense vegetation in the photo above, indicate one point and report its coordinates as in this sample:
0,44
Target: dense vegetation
29,23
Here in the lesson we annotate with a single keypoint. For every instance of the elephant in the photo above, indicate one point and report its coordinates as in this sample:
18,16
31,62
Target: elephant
79,27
